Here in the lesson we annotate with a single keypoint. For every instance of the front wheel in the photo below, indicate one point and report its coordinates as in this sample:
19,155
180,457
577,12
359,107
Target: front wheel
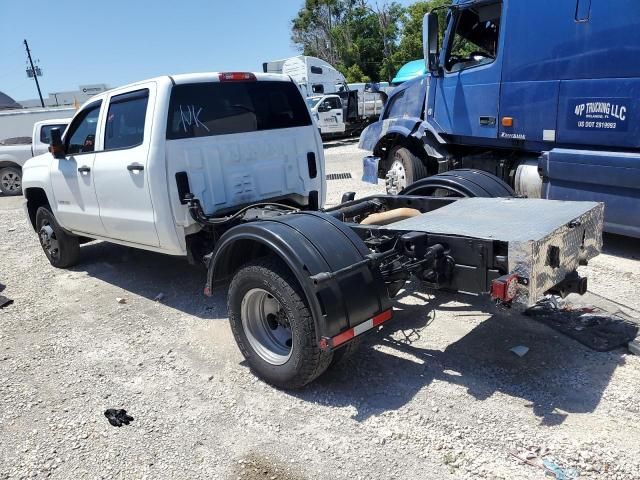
61,248
404,169
273,326
10,181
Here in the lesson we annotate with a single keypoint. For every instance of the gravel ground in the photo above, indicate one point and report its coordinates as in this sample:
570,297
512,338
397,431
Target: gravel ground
435,394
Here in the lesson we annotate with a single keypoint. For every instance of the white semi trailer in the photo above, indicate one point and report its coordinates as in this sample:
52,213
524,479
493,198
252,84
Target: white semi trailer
339,108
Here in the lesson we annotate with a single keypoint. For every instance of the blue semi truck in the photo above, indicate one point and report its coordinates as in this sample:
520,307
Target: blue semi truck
544,94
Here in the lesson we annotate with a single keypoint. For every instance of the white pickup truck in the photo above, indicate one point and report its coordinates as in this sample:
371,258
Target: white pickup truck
228,168
347,112
15,152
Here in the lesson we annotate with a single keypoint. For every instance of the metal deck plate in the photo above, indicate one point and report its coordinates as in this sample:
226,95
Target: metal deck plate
505,219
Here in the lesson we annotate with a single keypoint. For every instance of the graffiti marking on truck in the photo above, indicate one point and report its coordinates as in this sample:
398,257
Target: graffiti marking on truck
599,114
191,117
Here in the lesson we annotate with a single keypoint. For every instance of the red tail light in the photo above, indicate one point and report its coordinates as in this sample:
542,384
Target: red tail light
237,77
504,288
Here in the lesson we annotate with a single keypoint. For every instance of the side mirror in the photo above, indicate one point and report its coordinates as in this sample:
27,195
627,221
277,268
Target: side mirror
430,47
56,147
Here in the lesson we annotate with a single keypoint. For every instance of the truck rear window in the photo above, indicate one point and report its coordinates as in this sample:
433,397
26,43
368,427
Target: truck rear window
206,109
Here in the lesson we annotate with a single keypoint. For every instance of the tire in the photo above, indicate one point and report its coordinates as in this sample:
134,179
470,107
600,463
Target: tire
273,326
61,248
404,169
11,181
461,183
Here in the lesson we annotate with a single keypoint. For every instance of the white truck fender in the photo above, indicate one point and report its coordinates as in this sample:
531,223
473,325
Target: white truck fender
36,176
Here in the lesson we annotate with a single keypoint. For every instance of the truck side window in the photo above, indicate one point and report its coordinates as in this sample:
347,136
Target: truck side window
317,88
335,103
45,132
125,120
475,41
82,132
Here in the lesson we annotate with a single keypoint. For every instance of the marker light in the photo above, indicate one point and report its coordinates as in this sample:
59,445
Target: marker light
237,77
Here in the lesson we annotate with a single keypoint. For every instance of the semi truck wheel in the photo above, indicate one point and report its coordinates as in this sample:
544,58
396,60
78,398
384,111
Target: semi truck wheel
465,182
61,248
404,169
273,325
10,181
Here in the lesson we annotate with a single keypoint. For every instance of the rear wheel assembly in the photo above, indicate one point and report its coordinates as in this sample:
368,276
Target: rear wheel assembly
10,181
273,325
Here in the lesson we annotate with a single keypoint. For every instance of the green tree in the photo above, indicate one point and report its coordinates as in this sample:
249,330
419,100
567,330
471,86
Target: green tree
350,32
410,47
354,74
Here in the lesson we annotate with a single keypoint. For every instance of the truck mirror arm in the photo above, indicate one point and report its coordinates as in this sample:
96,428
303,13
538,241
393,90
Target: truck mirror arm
56,147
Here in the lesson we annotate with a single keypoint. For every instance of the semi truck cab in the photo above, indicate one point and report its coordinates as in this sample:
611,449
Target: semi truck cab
542,94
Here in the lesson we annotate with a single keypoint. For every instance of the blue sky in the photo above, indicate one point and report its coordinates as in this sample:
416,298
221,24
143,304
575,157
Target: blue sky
118,42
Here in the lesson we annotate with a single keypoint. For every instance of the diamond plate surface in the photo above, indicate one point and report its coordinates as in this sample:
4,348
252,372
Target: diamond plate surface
530,227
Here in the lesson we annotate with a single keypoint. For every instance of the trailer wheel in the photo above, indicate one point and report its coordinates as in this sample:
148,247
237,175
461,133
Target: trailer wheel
460,183
10,181
404,169
61,248
273,326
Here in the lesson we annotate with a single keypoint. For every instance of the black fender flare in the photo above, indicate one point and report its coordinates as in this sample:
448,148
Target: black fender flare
465,182
309,243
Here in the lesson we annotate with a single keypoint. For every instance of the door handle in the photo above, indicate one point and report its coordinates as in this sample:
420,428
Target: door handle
84,169
135,167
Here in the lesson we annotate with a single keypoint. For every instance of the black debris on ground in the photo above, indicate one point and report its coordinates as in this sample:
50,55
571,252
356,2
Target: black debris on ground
4,301
118,417
594,328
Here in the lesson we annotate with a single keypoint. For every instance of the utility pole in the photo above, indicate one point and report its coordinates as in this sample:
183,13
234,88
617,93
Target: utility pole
34,71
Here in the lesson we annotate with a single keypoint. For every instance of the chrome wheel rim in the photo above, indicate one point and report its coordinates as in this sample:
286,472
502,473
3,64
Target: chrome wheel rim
11,182
49,241
396,178
266,326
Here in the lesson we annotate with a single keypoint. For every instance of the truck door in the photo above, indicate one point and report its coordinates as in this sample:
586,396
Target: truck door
467,93
330,115
120,173
76,205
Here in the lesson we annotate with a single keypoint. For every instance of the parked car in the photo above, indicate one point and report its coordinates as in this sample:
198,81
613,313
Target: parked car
15,152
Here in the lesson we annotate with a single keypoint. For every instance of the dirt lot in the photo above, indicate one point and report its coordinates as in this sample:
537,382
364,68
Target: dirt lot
436,394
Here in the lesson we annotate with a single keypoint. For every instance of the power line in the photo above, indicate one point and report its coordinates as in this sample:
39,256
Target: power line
35,71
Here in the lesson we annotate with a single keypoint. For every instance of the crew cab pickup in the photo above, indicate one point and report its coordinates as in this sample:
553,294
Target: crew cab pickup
228,169
15,152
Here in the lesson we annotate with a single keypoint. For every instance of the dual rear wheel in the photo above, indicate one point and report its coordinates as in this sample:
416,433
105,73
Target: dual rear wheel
274,327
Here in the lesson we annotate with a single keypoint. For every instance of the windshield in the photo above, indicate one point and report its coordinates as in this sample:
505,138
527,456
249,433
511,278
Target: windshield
312,102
